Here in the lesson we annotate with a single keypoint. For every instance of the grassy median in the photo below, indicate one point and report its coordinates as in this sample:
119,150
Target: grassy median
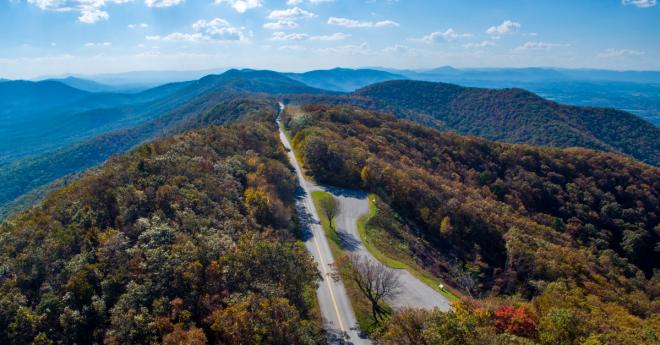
372,238
361,305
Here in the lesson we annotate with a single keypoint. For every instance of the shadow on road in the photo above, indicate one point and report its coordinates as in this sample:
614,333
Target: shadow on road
347,193
348,242
305,219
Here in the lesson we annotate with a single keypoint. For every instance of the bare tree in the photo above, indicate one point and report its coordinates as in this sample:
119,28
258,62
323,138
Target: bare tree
463,279
375,281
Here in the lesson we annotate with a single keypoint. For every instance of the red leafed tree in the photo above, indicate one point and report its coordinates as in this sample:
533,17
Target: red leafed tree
516,321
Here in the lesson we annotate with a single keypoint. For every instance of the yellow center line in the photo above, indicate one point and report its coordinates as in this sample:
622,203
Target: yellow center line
332,295
316,243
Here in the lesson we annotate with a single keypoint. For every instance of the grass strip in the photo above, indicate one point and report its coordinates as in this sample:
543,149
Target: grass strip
361,305
380,255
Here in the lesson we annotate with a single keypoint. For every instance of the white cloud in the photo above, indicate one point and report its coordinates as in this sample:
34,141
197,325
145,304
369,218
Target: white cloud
448,35
295,47
99,44
281,25
92,15
337,36
619,53
351,23
281,36
482,44
397,48
241,5
540,46
90,10
640,3
361,49
385,24
506,27
177,36
138,26
293,13
217,29
162,3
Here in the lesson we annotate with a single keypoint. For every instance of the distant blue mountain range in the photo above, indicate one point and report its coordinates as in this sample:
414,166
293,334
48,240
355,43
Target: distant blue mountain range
344,79
532,74
52,128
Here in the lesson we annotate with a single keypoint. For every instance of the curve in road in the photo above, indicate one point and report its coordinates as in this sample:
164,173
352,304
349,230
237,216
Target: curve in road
351,206
338,316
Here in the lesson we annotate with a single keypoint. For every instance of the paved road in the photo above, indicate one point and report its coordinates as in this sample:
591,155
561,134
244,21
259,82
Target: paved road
338,316
351,206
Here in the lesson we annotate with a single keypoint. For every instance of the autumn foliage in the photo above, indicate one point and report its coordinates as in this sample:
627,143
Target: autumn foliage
188,240
568,233
516,321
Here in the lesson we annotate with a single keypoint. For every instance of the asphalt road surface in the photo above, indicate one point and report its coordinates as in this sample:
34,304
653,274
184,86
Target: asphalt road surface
338,316
413,293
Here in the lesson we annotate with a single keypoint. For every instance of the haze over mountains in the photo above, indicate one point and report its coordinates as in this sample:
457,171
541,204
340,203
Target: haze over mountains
531,74
89,137
343,79
637,92
72,129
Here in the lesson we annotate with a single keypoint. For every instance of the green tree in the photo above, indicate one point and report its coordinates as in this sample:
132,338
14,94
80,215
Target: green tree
559,327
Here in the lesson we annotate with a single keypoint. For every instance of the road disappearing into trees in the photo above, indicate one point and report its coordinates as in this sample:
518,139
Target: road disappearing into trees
350,205
338,316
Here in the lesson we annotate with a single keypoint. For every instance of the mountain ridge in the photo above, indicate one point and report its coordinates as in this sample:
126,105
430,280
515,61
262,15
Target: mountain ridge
535,229
343,79
516,116
188,105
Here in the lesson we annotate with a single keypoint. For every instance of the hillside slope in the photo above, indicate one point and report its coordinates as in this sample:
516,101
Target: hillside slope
187,240
29,130
184,106
27,96
24,175
573,226
516,116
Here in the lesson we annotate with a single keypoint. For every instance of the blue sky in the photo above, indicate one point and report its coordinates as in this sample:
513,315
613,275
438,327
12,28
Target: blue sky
56,37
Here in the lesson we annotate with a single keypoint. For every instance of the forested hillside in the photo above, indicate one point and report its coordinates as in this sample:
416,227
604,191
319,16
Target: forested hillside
565,239
171,109
187,240
25,175
515,116
31,96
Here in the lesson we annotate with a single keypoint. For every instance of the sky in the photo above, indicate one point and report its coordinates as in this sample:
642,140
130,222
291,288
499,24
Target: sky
62,37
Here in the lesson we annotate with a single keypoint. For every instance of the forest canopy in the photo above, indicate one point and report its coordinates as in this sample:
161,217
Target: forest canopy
185,240
537,228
